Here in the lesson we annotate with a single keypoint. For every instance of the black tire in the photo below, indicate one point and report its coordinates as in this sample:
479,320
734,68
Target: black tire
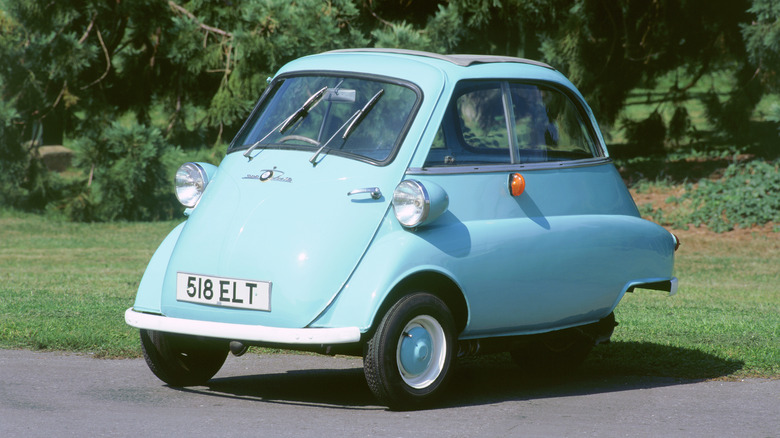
408,359
180,360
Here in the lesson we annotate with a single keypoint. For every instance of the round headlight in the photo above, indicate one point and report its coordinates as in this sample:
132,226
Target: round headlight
411,203
191,181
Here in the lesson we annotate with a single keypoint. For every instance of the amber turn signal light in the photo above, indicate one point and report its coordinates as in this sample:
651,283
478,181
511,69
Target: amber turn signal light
516,184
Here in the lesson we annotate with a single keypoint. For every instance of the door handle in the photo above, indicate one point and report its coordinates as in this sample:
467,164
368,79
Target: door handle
373,191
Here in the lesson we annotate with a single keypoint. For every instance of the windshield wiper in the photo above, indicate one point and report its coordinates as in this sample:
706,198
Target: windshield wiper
352,121
362,113
300,113
303,111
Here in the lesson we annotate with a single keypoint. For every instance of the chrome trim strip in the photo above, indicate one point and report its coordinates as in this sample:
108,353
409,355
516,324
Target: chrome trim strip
671,285
243,332
444,170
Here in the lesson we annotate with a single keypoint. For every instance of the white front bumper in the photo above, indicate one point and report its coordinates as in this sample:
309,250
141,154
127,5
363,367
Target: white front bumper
243,332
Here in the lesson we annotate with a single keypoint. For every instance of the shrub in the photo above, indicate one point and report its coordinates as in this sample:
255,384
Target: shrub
747,194
127,176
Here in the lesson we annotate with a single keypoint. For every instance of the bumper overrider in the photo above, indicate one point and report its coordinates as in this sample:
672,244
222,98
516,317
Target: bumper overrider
243,332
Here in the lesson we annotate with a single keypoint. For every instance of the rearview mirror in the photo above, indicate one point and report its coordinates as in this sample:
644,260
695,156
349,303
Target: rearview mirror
340,95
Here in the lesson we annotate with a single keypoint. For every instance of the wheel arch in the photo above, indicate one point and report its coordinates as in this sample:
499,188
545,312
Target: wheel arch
434,283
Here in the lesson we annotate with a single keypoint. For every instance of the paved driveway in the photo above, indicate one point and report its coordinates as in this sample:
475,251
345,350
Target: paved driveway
53,394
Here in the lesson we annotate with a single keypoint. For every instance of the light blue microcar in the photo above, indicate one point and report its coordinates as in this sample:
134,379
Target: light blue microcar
406,207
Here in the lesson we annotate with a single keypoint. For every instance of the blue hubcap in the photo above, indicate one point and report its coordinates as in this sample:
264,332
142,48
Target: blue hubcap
421,351
416,348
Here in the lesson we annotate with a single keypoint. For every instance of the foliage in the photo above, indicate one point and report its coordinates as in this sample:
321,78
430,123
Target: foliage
762,41
746,195
14,164
193,68
606,48
128,178
610,48
191,71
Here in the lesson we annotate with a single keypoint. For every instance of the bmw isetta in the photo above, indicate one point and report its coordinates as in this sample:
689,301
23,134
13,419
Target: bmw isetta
406,207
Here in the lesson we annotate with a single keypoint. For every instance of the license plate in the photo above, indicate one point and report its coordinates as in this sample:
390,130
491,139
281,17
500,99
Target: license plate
224,292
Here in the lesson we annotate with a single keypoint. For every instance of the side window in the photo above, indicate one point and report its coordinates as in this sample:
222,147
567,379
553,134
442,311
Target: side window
545,126
474,130
482,121
548,126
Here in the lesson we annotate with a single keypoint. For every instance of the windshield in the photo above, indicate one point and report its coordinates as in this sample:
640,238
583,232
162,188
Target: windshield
358,117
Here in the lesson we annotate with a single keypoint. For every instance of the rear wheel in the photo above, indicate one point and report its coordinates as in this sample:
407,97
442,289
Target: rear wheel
180,360
407,361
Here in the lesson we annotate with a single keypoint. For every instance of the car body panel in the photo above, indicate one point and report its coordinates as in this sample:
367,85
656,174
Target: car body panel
489,244
230,235
150,290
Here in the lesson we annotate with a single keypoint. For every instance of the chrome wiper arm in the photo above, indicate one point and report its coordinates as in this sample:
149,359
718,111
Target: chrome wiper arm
313,158
362,113
259,142
352,121
303,111
289,121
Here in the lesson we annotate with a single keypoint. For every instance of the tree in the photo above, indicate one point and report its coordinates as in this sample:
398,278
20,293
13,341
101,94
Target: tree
507,27
190,70
609,48
762,40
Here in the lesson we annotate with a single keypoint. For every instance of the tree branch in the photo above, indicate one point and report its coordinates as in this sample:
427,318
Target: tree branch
695,79
89,28
370,8
226,36
108,62
205,27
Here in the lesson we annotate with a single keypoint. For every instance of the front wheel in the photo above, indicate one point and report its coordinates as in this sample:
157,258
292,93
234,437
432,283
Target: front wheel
180,360
407,361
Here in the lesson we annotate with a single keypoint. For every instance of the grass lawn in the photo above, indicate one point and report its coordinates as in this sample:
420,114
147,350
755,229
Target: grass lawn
723,322
65,286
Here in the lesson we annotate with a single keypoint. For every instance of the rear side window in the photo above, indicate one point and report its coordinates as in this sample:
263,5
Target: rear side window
510,123
548,126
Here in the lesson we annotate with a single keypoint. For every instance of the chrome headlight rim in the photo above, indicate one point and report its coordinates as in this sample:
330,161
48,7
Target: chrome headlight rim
190,183
412,214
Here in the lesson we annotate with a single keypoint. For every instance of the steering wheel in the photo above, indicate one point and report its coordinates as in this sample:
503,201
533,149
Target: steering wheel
299,138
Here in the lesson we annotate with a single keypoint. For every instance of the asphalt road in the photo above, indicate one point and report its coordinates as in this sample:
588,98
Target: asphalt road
54,394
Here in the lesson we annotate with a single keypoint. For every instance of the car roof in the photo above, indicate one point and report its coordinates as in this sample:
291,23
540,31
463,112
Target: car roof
462,60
